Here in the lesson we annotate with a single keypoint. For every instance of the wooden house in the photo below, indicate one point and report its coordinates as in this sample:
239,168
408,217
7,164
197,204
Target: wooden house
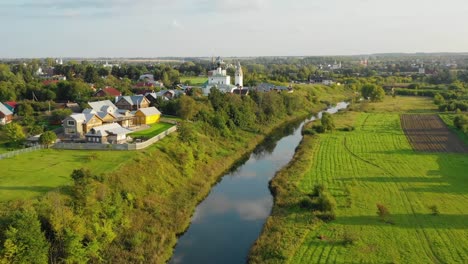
6,116
147,116
77,125
132,103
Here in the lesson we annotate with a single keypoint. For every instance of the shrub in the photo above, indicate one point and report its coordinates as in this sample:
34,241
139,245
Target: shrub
318,190
309,132
318,128
326,216
326,202
350,237
306,203
383,212
434,209
348,128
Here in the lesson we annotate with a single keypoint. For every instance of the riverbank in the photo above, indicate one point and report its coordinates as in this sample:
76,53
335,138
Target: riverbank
134,214
176,200
372,164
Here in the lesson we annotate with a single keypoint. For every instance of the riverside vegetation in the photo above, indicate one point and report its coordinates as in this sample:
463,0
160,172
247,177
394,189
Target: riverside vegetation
393,205
133,213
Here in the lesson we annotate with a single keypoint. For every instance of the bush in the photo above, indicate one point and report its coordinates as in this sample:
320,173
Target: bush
326,202
383,212
348,128
318,190
434,209
307,203
318,128
309,132
326,216
350,237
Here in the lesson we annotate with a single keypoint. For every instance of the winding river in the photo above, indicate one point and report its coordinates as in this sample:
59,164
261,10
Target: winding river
229,220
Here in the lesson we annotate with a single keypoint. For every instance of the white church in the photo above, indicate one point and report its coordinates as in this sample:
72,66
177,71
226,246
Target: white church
221,80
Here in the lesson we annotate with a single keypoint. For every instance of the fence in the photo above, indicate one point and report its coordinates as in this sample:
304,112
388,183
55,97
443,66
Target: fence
20,151
133,146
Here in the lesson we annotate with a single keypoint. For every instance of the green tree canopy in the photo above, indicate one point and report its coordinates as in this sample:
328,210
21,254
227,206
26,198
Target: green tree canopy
24,241
47,138
373,92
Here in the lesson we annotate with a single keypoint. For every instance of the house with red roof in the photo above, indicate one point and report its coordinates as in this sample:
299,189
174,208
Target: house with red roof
5,115
108,91
11,105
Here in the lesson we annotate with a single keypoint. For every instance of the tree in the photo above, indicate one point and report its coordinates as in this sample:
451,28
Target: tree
59,115
186,133
327,121
25,109
187,108
24,241
373,92
47,138
91,74
439,99
14,133
82,179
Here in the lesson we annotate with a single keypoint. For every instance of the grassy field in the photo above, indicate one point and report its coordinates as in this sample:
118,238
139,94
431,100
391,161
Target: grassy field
373,164
448,120
31,174
155,129
195,81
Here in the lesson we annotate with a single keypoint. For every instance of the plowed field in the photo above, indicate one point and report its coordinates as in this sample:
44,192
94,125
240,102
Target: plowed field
428,133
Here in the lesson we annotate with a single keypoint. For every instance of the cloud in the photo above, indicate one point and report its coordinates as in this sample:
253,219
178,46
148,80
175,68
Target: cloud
63,8
232,6
248,210
176,25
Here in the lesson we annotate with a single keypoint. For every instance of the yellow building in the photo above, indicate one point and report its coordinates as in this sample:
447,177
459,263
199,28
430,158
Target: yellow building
147,116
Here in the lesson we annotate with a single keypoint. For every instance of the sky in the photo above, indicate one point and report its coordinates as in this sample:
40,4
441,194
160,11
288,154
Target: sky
199,28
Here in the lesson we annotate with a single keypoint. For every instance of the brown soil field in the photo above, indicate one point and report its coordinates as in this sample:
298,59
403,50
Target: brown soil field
428,133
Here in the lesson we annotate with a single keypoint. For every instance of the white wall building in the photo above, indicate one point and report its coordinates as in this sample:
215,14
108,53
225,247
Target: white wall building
220,79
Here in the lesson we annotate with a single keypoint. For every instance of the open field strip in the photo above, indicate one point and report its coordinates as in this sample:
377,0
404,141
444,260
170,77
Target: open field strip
373,164
31,174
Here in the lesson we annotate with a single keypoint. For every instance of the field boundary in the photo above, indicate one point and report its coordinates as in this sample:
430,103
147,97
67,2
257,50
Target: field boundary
20,151
429,133
121,147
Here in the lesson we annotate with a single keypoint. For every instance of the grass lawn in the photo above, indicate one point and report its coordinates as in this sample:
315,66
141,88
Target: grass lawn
373,164
404,104
31,174
448,120
154,130
195,81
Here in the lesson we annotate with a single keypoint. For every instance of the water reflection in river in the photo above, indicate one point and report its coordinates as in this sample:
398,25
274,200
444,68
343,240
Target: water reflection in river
229,220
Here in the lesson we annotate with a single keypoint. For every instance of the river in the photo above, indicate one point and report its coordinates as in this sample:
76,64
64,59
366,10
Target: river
227,223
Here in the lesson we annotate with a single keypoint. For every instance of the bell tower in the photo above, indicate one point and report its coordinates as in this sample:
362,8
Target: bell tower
239,76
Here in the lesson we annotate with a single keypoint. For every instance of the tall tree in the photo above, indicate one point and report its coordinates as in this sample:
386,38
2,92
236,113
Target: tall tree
24,241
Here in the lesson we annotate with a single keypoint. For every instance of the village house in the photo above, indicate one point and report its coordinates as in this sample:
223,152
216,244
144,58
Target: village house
106,109
11,105
77,125
6,116
74,107
132,103
108,92
110,133
147,116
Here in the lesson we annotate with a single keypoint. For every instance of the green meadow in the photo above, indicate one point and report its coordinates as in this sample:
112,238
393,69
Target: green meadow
32,174
426,195
195,80
154,130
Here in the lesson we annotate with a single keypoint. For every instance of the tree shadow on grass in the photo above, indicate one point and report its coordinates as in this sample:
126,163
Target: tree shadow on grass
38,189
387,179
410,221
